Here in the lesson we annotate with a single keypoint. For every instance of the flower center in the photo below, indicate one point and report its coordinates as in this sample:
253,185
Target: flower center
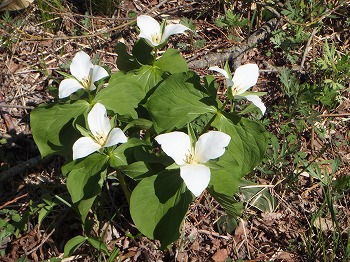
101,139
234,90
191,158
86,82
156,38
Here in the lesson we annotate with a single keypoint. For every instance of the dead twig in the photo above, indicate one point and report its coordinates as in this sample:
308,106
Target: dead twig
41,243
13,201
235,53
20,168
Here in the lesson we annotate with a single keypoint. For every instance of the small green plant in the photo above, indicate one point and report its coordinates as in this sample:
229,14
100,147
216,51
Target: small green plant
230,21
50,13
158,127
334,68
326,222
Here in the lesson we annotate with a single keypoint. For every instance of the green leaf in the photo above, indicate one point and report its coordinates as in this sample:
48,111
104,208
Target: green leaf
226,224
139,123
148,77
137,170
47,207
257,196
122,95
231,206
52,126
85,181
73,244
178,100
172,61
114,254
159,204
125,62
246,149
124,153
142,52
98,244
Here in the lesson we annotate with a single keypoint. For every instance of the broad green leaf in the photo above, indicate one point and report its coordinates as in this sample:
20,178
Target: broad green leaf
98,244
137,170
139,123
122,95
211,85
159,204
148,77
143,52
172,61
178,100
86,182
231,206
73,244
257,196
84,170
246,149
125,62
52,126
124,153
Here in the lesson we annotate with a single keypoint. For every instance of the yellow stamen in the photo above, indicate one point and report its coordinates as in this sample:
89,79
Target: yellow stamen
156,38
86,82
101,139
191,157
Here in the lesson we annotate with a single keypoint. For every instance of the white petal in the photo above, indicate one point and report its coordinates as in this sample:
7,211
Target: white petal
81,65
98,73
67,87
173,29
224,73
176,145
148,27
245,77
196,177
84,146
257,102
220,70
211,145
98,120
116,136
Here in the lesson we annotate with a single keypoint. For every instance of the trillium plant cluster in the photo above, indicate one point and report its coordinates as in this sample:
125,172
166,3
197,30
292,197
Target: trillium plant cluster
157,128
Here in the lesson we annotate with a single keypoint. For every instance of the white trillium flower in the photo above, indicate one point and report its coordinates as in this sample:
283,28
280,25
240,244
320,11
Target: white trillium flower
85,75
103,135
244,78
151,30
191,159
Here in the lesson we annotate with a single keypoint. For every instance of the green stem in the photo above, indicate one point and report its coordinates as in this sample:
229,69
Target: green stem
155,56
207,126
90,97
124,187
232,106
148,136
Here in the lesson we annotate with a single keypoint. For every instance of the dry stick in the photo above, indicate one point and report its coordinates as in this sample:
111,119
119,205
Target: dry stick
306,48
234,53
335,115
13,201
16,106
22,167
42,243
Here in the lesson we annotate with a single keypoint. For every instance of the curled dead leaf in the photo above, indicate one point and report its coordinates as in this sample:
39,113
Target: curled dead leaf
14,5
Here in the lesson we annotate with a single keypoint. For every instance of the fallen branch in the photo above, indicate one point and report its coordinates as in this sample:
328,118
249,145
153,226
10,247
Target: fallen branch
235,53
19,169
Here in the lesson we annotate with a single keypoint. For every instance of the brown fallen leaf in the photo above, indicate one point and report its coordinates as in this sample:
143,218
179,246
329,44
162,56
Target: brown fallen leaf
220,255
14,5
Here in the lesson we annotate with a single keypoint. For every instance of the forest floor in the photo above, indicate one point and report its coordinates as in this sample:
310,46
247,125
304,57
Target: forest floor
294,223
